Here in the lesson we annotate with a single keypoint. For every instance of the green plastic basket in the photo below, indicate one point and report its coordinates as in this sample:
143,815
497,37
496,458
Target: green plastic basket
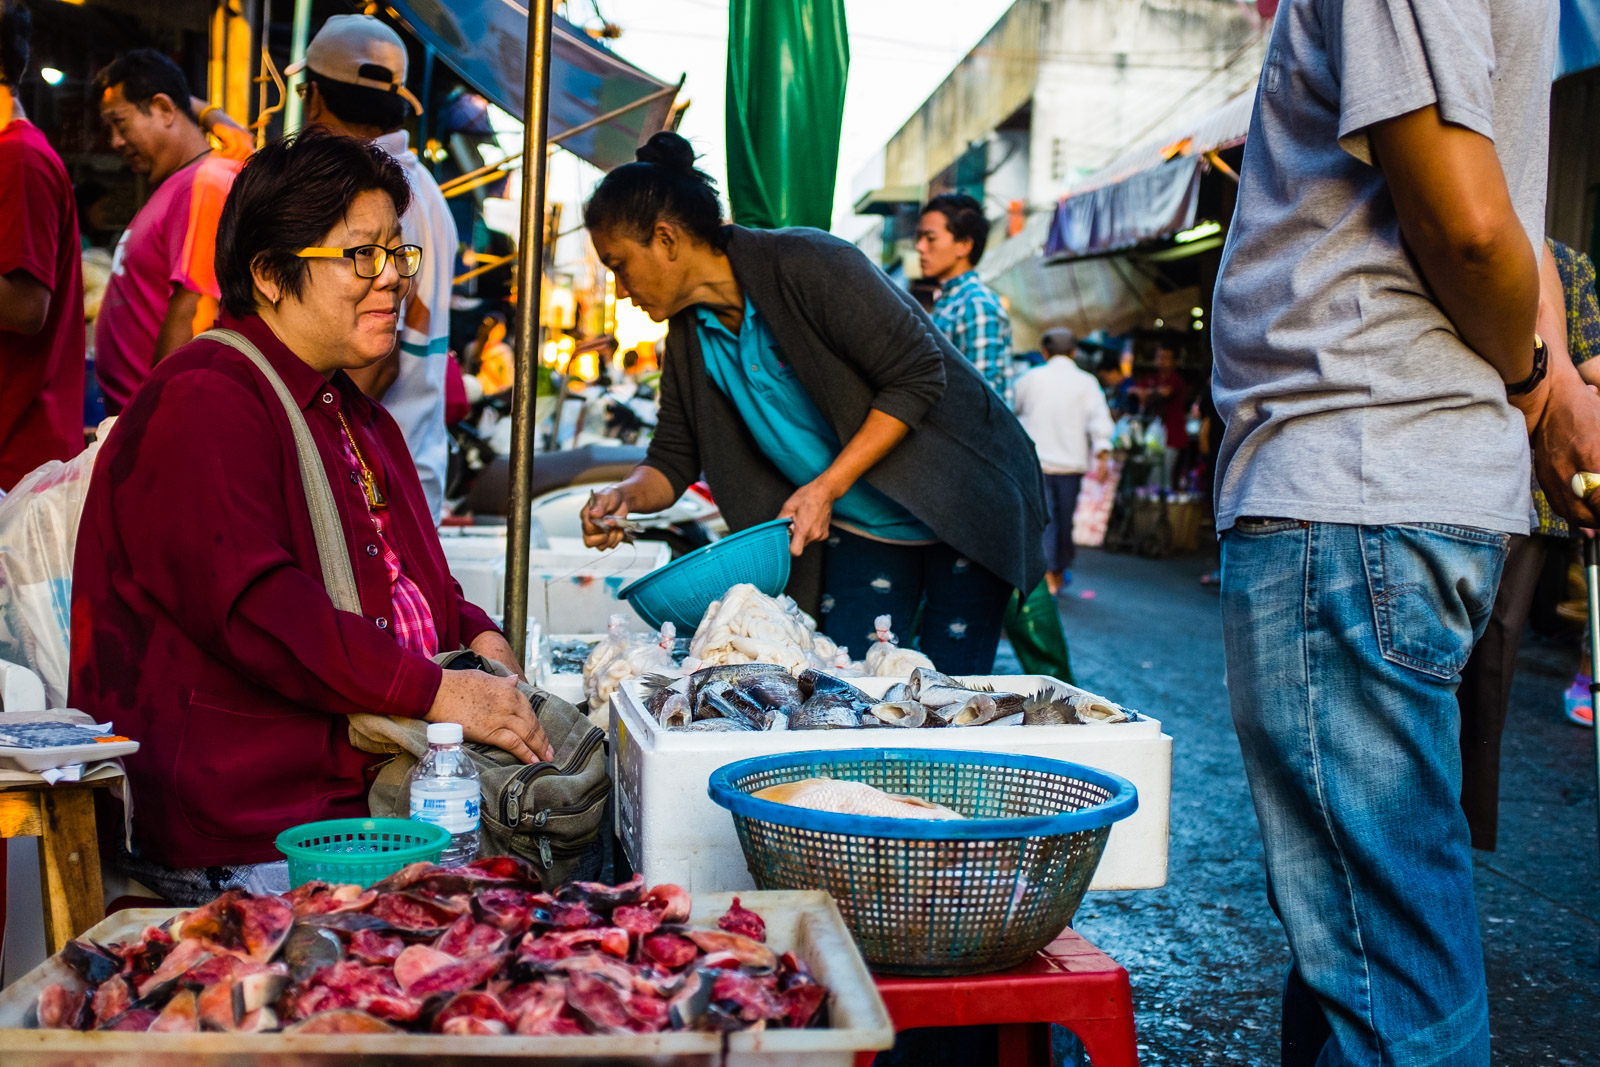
358,851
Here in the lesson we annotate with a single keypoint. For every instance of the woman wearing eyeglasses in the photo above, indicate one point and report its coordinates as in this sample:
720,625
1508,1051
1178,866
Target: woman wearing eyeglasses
201,625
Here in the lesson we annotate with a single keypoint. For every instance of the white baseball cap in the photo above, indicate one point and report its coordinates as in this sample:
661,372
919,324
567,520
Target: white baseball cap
359,50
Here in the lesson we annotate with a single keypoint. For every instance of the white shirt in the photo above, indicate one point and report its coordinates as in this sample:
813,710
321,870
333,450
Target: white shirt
1064,410
416,399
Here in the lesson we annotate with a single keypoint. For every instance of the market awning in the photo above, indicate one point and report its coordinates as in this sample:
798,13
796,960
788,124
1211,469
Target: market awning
1146,193
485,41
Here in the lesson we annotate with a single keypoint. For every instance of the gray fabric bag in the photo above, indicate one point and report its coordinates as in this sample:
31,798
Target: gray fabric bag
549,813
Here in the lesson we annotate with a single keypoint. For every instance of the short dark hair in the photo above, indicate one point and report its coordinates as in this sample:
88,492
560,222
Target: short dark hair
16,25
361,105
143,73
663,183
964,217
287,197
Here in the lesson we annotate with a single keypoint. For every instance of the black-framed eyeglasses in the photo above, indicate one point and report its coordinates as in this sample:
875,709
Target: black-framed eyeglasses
369,260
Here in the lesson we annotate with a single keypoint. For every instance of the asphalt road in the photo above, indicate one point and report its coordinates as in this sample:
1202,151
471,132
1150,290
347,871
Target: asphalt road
1206,954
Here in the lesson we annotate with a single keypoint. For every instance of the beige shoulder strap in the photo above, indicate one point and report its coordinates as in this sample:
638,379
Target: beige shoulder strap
337,574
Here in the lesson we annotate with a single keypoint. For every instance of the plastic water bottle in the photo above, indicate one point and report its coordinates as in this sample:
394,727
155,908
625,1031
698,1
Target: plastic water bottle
444,792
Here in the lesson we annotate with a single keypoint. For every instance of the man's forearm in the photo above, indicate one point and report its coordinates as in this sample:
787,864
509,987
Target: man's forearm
1458,220
877,437
24,303
177,328
647,490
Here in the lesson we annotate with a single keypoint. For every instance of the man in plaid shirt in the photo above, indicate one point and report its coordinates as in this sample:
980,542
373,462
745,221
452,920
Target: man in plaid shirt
950,238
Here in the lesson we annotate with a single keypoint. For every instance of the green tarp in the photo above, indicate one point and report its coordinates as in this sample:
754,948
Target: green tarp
787,62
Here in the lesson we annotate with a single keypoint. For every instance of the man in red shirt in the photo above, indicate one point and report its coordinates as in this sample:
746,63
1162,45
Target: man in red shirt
41,282
163,288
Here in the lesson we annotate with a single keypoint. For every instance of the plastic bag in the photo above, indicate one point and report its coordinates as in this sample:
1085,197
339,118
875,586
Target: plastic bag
886,659
621,655
38,534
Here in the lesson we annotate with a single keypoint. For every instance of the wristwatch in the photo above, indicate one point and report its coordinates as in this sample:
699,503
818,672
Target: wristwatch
1541,364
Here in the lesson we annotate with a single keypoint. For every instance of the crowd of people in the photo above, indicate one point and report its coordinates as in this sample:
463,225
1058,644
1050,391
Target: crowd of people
1390,329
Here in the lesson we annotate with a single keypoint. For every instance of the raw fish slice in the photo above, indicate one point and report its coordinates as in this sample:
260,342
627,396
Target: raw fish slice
417,962
94,963
637,919
749,998
180,1016
142,956
741,920
133,1020
454,977
369,946
352,985
670,950
537,1005
751,954
320,898
111,999
601,897
60,1008
342,1021
976,711
311,948
473,1013
406,877
853,798
672,900
185,955
467,938
416,914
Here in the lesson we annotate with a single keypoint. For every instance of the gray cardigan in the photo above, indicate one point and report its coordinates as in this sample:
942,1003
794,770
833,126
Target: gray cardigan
856,342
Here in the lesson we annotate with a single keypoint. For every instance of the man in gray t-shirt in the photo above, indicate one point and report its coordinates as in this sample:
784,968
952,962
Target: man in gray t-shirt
1379,373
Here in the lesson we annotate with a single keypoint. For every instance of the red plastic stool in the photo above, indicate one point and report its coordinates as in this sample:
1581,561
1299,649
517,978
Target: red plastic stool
1068,982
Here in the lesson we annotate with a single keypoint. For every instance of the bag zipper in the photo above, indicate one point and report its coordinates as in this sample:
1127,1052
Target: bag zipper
527,776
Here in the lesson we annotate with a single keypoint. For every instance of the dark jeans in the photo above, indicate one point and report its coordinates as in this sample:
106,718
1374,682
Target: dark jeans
963,604
1485,689
1061,495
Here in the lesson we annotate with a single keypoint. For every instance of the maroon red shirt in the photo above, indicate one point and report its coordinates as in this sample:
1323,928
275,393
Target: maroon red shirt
200,624
41,377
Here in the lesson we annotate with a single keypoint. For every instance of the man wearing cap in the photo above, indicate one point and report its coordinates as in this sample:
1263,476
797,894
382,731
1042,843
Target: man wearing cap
355,85
1064,411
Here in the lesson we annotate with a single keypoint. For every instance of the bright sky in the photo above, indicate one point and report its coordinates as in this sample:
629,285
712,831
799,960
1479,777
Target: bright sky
900,50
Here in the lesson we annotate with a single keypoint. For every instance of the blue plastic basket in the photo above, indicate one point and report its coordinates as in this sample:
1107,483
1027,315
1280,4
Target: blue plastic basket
930,897
681,591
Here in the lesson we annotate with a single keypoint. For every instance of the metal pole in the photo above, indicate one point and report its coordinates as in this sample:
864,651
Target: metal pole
530,280
297,52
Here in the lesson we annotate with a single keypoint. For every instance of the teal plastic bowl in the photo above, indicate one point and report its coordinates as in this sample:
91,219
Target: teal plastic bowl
681,591
358,851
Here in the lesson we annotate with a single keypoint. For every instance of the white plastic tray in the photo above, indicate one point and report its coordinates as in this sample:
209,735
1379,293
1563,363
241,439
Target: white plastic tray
673,832
43,759
807,924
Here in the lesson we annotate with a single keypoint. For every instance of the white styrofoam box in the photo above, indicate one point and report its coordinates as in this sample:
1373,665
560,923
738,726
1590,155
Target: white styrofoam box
571,589
672,832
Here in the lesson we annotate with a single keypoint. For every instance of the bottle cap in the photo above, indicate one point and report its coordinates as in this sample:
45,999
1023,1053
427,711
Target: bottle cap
444,733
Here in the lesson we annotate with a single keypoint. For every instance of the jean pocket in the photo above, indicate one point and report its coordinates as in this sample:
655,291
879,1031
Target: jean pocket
1432,589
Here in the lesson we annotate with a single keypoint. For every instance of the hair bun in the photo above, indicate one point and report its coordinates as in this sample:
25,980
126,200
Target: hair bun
667,149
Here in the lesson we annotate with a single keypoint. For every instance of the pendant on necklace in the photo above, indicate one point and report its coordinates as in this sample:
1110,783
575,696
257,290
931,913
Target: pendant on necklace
375,498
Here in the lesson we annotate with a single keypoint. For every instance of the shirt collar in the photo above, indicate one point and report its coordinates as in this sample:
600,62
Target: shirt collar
955,285
301,379
397,144
708,318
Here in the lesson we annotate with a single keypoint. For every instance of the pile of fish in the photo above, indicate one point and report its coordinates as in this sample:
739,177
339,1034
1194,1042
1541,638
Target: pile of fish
461,950
757,696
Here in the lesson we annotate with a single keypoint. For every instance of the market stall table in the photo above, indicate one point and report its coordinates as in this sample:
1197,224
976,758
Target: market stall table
62,818
1069,982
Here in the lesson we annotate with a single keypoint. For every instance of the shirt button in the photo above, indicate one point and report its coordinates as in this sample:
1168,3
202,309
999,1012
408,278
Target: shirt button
354,480
372,550
383,624
327,398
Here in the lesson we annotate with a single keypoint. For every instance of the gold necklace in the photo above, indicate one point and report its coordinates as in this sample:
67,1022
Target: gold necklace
376,501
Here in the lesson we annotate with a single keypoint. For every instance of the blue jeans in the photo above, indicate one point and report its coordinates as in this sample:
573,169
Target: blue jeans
963,604
1061,494
1344,649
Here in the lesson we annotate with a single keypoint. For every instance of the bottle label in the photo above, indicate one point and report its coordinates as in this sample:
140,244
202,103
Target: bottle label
446,804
